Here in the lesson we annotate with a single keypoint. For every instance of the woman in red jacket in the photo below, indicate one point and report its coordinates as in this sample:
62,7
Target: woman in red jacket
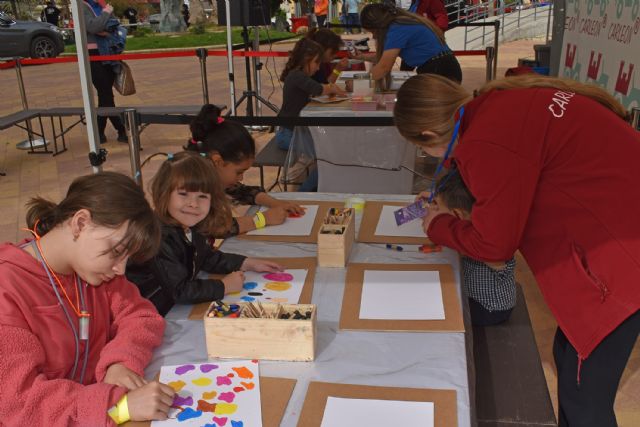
554,171
76,335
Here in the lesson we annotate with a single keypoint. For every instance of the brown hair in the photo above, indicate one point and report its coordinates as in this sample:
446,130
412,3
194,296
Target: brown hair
112,199
192,172
325,38
303,52
454,193
377,18
430,102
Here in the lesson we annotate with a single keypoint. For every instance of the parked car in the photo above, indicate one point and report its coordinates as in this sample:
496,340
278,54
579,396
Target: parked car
29,38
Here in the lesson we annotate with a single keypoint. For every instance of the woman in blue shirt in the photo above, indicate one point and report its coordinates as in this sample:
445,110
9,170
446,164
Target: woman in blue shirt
418,41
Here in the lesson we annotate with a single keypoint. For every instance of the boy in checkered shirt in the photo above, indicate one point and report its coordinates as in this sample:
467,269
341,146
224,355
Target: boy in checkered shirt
491,287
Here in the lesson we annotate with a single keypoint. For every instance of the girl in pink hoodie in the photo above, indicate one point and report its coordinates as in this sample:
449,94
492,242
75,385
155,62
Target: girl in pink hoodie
76,335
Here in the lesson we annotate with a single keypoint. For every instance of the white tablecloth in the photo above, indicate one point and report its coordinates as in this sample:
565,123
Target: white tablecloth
426,360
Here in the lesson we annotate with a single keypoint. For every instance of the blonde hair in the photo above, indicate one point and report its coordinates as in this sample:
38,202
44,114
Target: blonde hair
192,172
430,102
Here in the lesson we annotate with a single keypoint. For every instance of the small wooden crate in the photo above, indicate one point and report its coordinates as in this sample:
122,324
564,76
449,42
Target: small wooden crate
334,249
261,338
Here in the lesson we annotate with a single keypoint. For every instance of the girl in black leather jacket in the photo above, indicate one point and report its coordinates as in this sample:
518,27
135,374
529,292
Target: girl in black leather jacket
191,203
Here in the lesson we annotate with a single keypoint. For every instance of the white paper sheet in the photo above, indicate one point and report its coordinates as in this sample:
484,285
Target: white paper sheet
387,225
401,295
301,226
343,412
326,99
282,287
200,386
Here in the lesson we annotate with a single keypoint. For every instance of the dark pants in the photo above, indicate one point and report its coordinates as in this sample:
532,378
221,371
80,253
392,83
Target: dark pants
321,20
446,66
589,403
480,316
102,77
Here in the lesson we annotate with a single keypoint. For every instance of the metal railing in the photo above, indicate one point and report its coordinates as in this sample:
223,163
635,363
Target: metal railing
512,14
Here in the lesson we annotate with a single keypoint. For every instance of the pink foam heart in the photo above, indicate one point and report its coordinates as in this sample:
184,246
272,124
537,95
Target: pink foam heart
220,421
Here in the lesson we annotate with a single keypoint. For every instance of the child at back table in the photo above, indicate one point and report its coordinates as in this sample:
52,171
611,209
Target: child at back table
232,150
76,335
298,88
190,202
490,287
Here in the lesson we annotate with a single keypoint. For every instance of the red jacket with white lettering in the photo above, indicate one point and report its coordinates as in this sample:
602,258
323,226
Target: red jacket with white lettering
555,175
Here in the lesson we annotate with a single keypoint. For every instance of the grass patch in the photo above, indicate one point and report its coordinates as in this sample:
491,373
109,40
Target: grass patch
162,41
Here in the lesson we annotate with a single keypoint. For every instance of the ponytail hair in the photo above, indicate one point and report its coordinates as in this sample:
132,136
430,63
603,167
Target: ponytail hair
303,52
430,102
192,172
112,199
566,85
378,17
211,133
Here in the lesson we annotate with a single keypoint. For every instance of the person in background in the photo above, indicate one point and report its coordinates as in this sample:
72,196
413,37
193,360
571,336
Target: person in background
433,10
232,150
132,16
415,39
321,8
96,17
331,43
51,14
353,15
185,14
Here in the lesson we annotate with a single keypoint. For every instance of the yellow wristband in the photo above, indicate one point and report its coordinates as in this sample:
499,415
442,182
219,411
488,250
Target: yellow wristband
336,72
259,220
120,412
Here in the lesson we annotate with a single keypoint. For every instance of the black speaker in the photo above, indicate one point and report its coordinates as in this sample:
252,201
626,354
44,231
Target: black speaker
250,13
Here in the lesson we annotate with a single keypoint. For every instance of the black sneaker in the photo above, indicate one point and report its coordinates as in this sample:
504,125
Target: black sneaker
122,137
103,138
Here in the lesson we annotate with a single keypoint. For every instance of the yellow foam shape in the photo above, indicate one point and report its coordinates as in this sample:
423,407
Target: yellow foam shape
278,286
177,385
225,408
208,395
203,381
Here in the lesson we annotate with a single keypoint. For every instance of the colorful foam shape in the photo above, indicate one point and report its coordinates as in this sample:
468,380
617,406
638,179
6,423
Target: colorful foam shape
227,396
225,408
181,370
202,381
188,413
278,286
177,385
243,372
205,406
208,395
179,401
236,423
279,277
207,367
222,421
247,298
250,285
248,386
224,380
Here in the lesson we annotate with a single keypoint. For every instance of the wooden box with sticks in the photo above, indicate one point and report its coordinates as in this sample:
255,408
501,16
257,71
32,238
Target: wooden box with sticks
335,237
264,331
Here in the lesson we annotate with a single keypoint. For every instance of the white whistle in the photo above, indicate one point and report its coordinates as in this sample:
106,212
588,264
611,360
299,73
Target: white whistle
84,327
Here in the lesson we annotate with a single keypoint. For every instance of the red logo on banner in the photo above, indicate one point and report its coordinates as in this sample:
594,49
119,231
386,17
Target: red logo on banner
622,84
594,66
570,57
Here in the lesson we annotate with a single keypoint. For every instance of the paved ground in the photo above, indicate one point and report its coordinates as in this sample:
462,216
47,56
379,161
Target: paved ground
176,81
